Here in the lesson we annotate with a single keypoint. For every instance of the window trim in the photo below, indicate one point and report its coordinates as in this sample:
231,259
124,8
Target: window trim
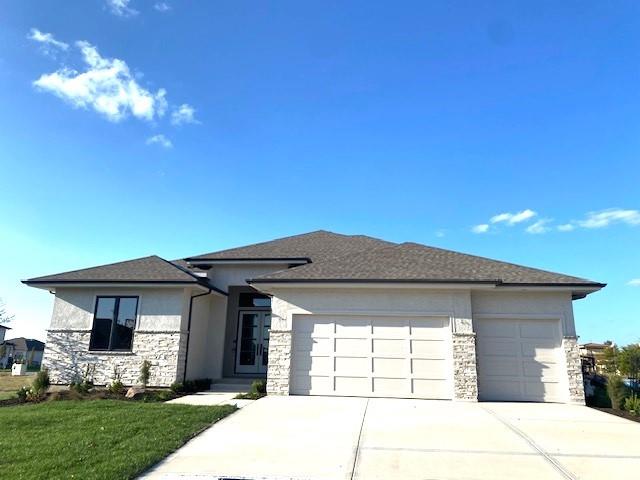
116,311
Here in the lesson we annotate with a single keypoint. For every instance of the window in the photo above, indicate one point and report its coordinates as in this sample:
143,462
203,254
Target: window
254,300
113,323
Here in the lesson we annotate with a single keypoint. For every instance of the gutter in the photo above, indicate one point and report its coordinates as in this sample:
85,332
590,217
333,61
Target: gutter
186,352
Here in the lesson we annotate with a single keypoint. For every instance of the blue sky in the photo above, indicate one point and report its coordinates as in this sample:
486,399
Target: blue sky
241,121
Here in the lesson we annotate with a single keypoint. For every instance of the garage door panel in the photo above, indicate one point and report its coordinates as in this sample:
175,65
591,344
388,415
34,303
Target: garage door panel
431,329
429,348
389,329
500,366
537,329
352,365
428,368
492,347
385,346
352,385
496,329
428,388
392,367
313,345
353,346
372,356
526,367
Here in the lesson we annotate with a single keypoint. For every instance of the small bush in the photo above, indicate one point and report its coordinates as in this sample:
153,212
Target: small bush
82,387
22,394
632,404
116,387
617,391
42,383
259,387
177,387
145,373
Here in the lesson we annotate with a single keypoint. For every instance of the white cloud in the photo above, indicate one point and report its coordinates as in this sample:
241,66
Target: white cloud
634,282
46,40
567,227
185,113
106,85
482,228
538,227
121,8
161,140
162,7
513,218
440,233
604,218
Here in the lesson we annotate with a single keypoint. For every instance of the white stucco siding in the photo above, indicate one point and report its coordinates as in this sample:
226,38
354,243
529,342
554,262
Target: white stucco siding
159,309
287,302
206,339
528,304
224,276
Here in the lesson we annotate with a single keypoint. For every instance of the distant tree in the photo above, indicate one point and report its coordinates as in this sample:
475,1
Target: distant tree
4,315
629,362
609,360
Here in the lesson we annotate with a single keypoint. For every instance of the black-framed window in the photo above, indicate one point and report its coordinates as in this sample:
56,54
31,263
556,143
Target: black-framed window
113,323
254,300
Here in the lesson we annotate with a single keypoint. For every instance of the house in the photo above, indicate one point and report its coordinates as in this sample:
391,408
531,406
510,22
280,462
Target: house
3,331
325,314
27,349
591,355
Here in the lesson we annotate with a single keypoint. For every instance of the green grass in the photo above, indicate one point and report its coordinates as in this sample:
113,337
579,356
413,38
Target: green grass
10,385
95,439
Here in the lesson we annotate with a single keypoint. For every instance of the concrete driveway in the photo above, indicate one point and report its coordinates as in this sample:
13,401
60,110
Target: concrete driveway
357,438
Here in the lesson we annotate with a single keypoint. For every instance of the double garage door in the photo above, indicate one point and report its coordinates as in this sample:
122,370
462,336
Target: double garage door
379,356
410,357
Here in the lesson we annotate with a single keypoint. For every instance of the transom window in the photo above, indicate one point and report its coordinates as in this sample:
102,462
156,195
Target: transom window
254,300
113,323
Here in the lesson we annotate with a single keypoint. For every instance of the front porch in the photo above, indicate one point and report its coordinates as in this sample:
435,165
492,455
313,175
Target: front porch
229,337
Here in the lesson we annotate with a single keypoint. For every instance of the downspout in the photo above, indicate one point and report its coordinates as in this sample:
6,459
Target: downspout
186,352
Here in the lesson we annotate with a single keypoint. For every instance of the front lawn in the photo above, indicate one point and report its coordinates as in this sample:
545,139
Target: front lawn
95,439
10,385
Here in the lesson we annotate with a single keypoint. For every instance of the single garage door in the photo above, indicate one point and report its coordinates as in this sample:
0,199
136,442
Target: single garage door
519,360
380,356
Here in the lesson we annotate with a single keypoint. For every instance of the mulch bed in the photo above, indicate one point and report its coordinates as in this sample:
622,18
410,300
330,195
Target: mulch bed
619,413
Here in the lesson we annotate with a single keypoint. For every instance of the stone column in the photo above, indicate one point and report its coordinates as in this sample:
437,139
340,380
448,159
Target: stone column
465,375
279,369
574,370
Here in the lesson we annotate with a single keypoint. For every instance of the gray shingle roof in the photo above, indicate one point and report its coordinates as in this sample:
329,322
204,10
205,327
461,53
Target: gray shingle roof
411,262
152,269
316,246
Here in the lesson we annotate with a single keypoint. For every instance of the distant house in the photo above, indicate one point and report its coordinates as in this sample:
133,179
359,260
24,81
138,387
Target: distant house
3,331
27,349
590,353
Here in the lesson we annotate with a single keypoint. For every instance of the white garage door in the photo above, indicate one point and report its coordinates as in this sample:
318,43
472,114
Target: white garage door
519,360
406,357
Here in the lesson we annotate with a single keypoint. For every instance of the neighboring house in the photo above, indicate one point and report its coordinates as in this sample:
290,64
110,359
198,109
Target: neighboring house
3,331
591,354
325,314
28,350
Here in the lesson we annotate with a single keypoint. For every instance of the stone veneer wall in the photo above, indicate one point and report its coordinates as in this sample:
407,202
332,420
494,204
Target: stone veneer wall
279,369
67,356
574,370
465,375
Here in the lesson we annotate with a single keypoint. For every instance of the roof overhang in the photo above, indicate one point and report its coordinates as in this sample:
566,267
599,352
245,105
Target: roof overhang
577,290
52,285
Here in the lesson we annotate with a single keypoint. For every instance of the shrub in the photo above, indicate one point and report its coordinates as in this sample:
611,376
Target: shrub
191,386
116,387
42,383
617,391
632,404
202,384
22,394
82,387
145,373
259,387
177,387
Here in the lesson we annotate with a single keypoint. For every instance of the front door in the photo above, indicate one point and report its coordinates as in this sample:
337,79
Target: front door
253,342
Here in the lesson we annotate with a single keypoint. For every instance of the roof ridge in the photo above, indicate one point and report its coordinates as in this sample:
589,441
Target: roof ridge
266,242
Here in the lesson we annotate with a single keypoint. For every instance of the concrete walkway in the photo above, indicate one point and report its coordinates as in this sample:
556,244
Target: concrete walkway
218,394
356,438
